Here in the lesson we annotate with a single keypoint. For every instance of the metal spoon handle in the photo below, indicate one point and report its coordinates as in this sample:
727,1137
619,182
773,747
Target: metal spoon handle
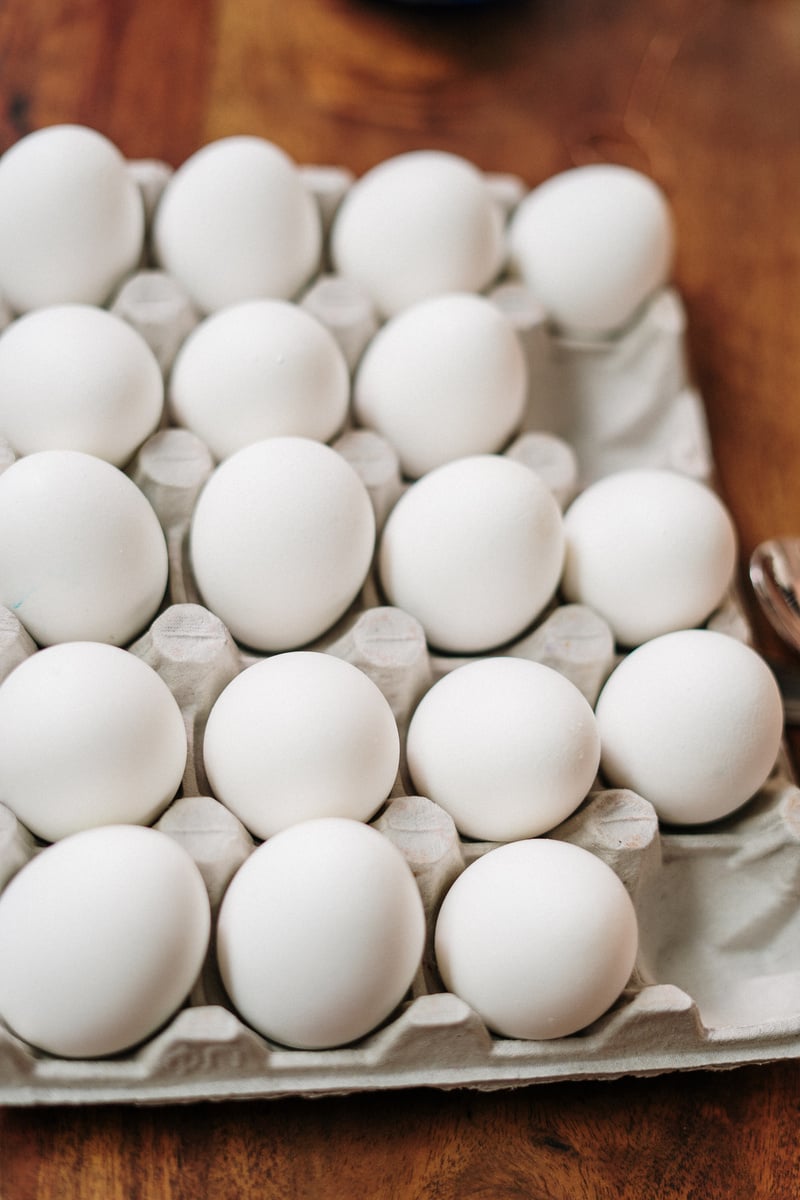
775,576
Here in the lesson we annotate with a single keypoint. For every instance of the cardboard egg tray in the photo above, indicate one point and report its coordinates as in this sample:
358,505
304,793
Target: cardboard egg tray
717,979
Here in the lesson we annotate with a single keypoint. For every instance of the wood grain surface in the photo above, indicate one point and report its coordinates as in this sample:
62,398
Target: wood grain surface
704,95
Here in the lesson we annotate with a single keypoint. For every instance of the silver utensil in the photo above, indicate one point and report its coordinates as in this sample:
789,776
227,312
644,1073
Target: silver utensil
775,576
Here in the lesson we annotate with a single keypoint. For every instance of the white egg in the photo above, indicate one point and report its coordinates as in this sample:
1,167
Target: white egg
82,555
473,550
651,550
102,937
91,736
263,368
692,721
281,540
71,219
508,747
75,377
538,937
320,933
300,735
593,244
236,222
445,378
417,225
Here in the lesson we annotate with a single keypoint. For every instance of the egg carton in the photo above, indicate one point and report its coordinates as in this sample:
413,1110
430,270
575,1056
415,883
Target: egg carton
717,978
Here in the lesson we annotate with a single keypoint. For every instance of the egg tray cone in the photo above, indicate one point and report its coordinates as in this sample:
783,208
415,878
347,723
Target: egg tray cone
717,979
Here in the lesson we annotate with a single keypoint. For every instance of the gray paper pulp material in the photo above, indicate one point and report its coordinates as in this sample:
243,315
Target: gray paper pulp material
717,980
625,401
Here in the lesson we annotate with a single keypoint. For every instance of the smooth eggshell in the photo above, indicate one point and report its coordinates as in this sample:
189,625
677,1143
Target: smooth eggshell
417,225
509,748
538,937
102,937
82,555
652,551
71,218
236,222
263,368
320,933
473,550
693,722
75,377
300,735
91,736
593,244
444,379
281,541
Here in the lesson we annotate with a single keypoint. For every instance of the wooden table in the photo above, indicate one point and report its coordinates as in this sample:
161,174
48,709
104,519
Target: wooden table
705,96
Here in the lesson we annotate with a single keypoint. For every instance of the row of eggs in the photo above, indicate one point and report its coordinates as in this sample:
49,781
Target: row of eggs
282,539
444,379
283,536
318,939
237,222
508,747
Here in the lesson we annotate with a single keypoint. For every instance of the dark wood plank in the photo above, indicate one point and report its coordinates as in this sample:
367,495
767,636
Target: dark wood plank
722,1136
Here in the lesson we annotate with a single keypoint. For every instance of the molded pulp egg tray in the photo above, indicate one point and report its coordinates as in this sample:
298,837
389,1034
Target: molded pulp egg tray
717,980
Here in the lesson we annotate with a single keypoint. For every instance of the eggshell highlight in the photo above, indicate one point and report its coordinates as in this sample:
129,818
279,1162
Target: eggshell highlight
91,736
593,244
474,550
236,222
652,551
264,368
320,934
444,379
281,540
71,218
693,722
508,747
82,555
297,736
538,937
76,377
102,936
417,225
